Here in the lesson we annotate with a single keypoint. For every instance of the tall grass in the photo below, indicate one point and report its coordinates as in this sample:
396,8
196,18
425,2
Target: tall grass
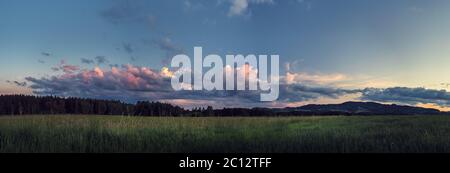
333,134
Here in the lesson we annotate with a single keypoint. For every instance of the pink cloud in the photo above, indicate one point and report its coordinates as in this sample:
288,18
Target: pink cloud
70,68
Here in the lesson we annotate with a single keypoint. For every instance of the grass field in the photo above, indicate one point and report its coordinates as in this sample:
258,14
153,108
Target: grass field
333,134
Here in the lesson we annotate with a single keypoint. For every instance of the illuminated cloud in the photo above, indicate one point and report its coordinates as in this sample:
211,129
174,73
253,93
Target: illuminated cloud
321,79
133,83
70,68
127,83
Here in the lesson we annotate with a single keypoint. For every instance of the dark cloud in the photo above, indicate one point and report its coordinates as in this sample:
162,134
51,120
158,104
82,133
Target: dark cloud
55,68
46,54
20,84
298,92
407,95
41,61
101,60
114,65
128,48
87,61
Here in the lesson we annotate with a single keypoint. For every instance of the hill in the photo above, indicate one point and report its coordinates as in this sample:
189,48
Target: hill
365,108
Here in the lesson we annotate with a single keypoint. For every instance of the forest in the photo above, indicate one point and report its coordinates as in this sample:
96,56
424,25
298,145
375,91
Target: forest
52,105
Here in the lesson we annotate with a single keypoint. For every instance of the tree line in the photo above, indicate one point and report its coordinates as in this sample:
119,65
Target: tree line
53,105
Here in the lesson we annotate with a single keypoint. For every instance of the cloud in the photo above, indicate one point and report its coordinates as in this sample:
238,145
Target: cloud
87,61
70,68
127,47
129,83
41,61
328,85
46,54
132,83
298,92
319,79
240,7
22,84
17,83
407,95
66,68
101,60
340,80
401,95
55,69
114,65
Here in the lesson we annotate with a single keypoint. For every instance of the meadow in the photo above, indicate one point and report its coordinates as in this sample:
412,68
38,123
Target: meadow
327,134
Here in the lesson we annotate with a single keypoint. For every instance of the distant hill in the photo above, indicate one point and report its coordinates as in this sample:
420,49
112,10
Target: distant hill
363,108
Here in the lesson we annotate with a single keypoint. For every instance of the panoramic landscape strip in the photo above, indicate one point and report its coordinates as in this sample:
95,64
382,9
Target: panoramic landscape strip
211,84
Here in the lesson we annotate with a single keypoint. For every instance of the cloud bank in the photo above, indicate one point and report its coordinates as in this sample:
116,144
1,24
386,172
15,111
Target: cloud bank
407,95
134,83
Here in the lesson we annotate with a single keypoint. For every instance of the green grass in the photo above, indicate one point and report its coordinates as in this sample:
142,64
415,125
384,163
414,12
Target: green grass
333,134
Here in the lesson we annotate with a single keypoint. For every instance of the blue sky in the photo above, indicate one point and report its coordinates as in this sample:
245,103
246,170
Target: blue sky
351,44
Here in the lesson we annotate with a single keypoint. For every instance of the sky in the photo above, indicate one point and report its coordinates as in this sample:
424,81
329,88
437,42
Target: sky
330,51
